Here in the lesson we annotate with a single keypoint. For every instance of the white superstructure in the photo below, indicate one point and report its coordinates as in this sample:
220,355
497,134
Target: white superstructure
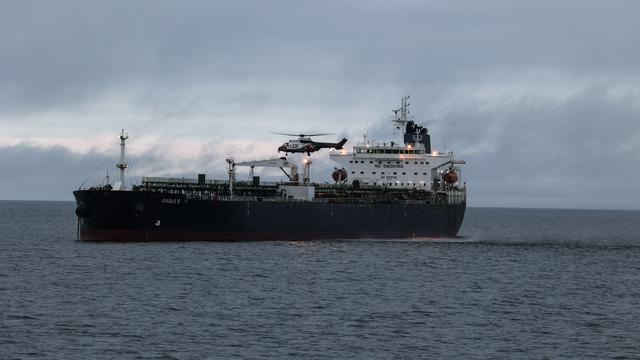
409,164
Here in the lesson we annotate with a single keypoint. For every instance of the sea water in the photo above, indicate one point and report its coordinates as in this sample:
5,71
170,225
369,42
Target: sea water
517,283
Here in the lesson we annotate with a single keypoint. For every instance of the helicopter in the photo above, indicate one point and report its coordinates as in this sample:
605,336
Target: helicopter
304,144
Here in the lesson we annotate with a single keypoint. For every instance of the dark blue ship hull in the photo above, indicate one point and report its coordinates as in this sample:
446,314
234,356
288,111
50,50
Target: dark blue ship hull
148,216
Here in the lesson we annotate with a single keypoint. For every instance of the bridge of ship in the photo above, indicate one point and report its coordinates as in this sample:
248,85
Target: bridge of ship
396,166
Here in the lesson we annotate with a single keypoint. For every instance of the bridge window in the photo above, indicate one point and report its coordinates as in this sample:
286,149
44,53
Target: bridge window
361,172
395,173
353,172
424,173
374,173
415,173
404,173
406,162
350,161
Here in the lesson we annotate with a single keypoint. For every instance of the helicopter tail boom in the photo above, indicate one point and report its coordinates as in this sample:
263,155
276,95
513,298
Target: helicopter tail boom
339,145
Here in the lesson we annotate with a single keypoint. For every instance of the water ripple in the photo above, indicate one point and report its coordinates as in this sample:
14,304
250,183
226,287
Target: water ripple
516,284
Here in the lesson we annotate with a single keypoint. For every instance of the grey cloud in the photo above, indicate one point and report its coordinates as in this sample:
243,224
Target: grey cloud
42,174
35,173
578,153
58,52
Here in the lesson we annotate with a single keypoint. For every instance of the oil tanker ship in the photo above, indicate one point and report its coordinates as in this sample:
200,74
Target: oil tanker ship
379,190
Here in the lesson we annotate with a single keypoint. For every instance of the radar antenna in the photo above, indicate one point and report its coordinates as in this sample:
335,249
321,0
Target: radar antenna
400,116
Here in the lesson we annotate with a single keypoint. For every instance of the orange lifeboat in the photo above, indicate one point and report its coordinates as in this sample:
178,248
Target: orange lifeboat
450,177
339,175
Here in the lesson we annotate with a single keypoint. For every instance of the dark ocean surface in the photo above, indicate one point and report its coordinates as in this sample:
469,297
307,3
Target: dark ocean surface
518,283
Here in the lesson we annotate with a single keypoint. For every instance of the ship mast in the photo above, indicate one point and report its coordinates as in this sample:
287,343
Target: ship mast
232,173
401,115
306,174
122,164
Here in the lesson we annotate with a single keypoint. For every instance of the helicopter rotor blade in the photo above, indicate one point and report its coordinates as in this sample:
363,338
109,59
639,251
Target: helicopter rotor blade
319,134
301,135
279,133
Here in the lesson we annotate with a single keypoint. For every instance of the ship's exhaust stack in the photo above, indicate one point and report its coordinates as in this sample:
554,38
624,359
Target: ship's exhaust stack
415,133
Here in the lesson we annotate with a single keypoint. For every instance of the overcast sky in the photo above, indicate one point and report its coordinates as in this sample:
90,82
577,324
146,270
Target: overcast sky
541,98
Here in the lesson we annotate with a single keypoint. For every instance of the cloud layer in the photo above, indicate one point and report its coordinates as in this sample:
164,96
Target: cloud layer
541,98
